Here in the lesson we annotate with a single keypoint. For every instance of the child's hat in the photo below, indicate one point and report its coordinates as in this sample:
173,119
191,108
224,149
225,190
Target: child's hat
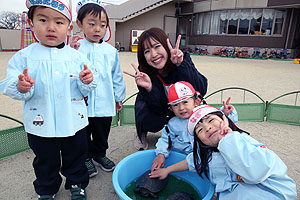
197,114
81,3
62,6
180,91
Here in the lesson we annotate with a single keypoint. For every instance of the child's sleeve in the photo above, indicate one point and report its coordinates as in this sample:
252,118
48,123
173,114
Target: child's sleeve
190,161
249,158
8,86
118,82
233,115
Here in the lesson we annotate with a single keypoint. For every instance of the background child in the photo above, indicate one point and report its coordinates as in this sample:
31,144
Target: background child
238,165
52,79
182,100
102,102
160,65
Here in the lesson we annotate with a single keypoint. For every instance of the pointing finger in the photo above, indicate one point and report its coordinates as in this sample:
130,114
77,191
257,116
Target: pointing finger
130,74
227,102
85,67
178,41
169,44
135,68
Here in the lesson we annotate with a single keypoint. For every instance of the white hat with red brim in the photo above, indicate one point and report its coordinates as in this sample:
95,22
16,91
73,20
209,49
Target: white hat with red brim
180,91
197,114
81,3
62,6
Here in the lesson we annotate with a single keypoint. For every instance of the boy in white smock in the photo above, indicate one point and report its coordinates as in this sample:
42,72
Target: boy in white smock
106,99
182,100
52,79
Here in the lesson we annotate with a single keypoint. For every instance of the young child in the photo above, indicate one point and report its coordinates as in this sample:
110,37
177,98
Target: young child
102,102
52,80
238,165
182,100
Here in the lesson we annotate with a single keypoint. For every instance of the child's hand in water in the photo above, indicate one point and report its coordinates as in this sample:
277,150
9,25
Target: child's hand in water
160,173
158,162
176,53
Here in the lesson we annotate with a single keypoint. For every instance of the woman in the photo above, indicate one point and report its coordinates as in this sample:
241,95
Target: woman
160,65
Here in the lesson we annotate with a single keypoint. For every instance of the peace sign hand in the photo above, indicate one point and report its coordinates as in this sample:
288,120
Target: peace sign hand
141,79
176,54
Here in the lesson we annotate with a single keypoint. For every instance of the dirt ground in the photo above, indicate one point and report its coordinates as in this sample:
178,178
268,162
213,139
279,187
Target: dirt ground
267,78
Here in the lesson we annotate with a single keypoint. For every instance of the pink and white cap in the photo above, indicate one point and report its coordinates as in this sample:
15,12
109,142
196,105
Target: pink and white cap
197,114
62,6
81,3
180,91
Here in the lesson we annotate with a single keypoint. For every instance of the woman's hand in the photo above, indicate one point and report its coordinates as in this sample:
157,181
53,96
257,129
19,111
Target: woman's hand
158,162
176,54
141,79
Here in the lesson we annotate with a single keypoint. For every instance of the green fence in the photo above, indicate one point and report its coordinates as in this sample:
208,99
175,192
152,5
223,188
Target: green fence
283,113
247,111
14,140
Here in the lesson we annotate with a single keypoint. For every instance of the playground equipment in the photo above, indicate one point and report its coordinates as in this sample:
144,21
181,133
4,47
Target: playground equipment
26,34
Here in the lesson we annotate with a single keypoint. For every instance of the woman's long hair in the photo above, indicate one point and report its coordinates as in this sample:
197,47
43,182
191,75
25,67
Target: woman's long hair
202,153
160,36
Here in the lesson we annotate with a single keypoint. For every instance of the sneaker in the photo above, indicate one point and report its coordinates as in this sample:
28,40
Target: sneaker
105,163
141,144
91,167
46,197
77,193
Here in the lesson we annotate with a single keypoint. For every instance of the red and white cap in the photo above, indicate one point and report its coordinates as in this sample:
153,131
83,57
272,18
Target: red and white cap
197,114
62,6
81,3
180,91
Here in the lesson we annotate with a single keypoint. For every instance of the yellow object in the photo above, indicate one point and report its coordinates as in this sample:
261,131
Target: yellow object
134,48
297,60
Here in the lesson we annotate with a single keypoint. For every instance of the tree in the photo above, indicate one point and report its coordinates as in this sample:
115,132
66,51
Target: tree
9,19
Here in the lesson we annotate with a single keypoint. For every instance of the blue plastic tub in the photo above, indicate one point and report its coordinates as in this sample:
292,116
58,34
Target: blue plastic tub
134,165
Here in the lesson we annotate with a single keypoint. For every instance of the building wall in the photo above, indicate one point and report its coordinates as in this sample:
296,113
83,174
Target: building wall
162,17
10,39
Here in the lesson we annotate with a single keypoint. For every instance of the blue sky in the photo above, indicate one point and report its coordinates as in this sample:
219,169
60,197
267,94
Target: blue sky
19,5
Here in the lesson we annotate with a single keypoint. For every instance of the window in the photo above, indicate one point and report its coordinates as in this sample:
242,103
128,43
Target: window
240,22
233,21
245,16
255,24
223,22
214,22
267,23
279,21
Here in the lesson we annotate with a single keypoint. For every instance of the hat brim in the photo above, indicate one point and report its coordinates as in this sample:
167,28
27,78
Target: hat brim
198,113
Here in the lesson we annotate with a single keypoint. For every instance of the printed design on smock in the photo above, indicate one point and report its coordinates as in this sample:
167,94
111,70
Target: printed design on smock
239,178
32,108
77,99
38,120
81,115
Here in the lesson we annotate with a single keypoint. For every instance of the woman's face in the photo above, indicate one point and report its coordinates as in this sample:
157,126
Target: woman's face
155,54
209,130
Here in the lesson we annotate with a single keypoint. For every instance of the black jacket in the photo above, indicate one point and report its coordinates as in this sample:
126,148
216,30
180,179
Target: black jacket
156,100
